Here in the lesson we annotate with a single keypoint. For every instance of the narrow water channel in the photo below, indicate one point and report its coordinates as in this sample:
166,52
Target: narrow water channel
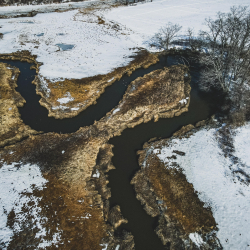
125,160
36,116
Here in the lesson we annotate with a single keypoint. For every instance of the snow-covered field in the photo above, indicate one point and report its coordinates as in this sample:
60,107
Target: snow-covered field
96,48
96,42
210,172
23,9
148,18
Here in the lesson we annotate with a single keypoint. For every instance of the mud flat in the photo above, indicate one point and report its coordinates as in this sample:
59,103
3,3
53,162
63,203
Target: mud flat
12,128
75,198
67,98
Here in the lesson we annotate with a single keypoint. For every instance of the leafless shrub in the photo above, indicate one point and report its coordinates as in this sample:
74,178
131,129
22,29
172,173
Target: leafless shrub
194,43
165,36
1,35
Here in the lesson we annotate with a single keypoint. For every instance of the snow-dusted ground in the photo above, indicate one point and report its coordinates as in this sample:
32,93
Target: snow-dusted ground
148,18
22,9
98,48
206,167
17,182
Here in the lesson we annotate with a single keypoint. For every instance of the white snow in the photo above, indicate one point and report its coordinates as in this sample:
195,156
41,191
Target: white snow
66,99
209,171
117,247
196,238
111,79
147,19
77,108
15,184
63,152
184,101
97,174
16,10
116,110
105,246
87,216
81,200
98,48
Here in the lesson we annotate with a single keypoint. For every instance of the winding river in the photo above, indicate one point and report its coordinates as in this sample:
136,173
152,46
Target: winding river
139,223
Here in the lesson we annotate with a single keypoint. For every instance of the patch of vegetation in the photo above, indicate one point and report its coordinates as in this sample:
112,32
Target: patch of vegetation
182,202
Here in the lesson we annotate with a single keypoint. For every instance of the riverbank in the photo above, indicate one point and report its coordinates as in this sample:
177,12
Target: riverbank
197,183
66,99
12,127
74,167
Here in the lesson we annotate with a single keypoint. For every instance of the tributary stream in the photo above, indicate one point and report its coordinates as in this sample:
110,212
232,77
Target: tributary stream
125,159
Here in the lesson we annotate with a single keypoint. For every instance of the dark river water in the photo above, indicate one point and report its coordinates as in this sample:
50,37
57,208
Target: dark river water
202,106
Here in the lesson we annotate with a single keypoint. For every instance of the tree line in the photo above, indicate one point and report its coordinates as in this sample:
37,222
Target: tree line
224,53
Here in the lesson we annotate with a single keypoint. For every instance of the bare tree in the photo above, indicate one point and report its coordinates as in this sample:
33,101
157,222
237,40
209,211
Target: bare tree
165,36
194,43
227,47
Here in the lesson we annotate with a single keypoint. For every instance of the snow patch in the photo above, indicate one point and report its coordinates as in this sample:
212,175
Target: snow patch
196,238
184,101
76,108
208,170
97,174
85,49
87,216
111,79
68,98
105,246
115,111
17,183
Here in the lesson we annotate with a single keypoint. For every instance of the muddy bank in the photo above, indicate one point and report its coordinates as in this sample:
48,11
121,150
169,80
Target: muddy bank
164,191
67,98
76,197
12,128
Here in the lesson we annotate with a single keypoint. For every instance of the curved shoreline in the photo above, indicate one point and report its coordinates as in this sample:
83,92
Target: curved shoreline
70,160
85,91
13,128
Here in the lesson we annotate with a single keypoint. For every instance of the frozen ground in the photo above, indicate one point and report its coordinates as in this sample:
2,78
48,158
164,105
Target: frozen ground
97,48
211,174
18,10
96,43
148,18
17,182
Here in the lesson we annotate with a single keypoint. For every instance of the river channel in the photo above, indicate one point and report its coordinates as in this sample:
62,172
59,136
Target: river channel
125,159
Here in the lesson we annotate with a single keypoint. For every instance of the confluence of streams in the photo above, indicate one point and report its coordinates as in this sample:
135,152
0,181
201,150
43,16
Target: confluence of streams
125,160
